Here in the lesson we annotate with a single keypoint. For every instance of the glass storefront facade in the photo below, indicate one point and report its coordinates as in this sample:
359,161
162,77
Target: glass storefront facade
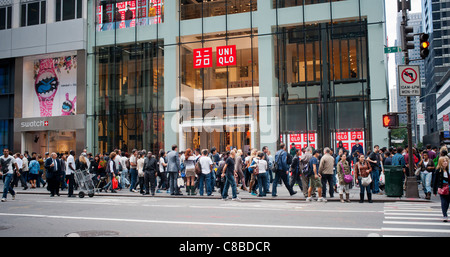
323,81
202,73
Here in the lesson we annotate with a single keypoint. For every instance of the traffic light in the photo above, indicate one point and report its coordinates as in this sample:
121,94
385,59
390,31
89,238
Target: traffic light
424,45
408,37
390,120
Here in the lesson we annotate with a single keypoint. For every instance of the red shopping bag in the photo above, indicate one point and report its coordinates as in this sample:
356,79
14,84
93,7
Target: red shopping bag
115,183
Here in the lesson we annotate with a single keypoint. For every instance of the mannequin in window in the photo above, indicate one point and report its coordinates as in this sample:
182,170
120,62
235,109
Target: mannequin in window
128,16
117,18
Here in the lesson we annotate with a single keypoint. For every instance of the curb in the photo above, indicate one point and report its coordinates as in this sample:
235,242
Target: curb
244,198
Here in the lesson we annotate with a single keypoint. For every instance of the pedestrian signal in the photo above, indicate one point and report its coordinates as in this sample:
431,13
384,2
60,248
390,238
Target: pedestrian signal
390,121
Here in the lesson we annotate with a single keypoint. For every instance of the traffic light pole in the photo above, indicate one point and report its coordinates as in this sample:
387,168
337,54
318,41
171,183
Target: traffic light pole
412,190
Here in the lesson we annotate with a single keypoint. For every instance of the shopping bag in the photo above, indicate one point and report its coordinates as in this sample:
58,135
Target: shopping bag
115,183
382,179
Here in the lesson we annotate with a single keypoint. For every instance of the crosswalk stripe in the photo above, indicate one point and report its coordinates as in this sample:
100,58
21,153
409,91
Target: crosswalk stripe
413,218
417,223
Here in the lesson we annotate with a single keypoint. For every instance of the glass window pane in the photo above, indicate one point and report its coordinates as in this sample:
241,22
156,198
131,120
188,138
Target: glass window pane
68,10
23,17
33,14
79,8
9,16
43,11
58,10
2,18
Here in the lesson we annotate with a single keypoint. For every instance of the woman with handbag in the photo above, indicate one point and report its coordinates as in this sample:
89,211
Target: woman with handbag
440,184
363,170
345,178
190,162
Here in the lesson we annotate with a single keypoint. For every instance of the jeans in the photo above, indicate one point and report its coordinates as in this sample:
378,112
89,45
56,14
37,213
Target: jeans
262,178
376,180
363,188
124,177
173,176
133,178
229,181
7,185
283,176
205,179
445,201
327,178
426,181
40,180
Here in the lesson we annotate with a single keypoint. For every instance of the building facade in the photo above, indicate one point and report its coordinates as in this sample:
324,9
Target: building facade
435,15
43,73
235,74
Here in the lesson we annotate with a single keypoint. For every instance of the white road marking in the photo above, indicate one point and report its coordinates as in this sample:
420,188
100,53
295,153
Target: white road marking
234,225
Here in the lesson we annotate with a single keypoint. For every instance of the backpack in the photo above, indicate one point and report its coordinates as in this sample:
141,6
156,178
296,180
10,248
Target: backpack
307,170
278,165
288,158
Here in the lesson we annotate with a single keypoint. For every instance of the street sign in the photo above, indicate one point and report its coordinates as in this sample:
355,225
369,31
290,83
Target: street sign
446,122
392,49
420,119
409,80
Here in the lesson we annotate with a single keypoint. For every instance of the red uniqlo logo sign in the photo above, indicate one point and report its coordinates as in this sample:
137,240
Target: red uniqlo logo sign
342,136
356,135
226,56
295,138
203,58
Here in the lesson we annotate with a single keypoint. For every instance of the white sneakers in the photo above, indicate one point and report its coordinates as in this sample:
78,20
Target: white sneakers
13,197
320,199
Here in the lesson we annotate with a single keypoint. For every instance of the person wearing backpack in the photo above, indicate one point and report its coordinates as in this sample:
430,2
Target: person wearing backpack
296,172
315,177
281,171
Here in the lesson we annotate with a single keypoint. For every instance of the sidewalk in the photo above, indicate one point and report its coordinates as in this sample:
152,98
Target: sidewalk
282,192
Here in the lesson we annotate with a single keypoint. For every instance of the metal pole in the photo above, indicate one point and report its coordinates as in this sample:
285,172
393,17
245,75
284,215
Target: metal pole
412,190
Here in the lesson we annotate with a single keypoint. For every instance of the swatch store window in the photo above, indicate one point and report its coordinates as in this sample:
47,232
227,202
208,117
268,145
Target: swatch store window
50,120
129,93
323,104
220,84
115,14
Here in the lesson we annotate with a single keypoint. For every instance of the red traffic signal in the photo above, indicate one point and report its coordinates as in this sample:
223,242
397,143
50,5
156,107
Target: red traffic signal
390,120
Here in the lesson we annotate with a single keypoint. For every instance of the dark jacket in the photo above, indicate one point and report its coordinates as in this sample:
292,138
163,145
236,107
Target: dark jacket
295,166
438,179
53,173
150,165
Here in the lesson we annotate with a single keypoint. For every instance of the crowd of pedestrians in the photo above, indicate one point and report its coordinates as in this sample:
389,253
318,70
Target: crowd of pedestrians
194,171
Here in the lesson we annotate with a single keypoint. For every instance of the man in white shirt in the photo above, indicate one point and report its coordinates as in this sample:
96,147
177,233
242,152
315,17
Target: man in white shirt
20,177
70,169
207,166
124,175
25,168
7,162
